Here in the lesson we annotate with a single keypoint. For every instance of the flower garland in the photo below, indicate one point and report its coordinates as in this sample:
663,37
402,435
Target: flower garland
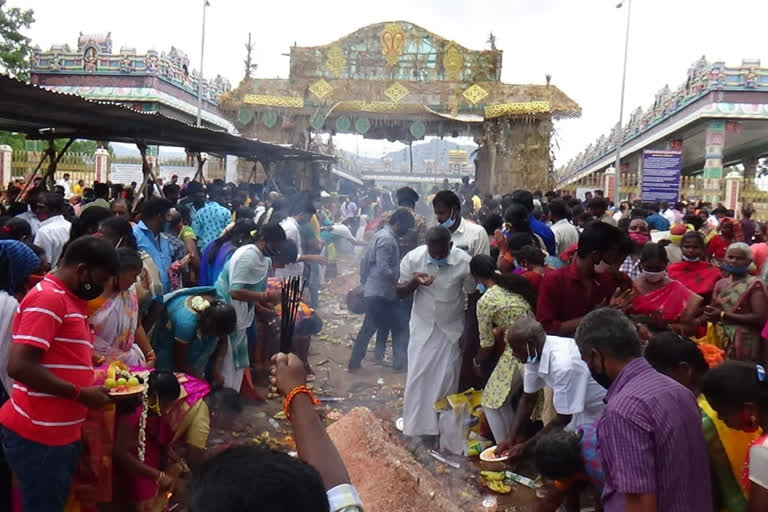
143,424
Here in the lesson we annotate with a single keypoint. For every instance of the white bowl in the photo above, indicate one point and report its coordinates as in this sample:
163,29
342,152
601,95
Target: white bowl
488,455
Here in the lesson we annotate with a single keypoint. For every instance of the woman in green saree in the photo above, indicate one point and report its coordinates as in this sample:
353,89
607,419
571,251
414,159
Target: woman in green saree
740,306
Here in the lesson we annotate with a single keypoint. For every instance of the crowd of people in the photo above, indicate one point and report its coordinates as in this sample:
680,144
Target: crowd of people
591,328
622,347
182,281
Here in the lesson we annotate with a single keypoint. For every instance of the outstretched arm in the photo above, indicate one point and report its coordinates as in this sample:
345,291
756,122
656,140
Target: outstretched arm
312,441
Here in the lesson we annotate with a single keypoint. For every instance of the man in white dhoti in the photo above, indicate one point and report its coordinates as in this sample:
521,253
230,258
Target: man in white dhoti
438,276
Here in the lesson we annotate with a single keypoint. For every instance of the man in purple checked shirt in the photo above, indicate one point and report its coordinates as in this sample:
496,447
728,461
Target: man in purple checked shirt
651,445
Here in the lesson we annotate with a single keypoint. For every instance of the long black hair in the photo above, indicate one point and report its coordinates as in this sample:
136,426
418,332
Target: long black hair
165,384
239,235
484,267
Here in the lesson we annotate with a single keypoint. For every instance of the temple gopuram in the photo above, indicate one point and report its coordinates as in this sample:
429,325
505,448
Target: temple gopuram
400,82
151,82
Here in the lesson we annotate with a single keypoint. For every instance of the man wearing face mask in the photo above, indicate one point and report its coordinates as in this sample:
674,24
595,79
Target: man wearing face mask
651,444
379,274
472,239
552,362
569,293
51,362
466,236
438,276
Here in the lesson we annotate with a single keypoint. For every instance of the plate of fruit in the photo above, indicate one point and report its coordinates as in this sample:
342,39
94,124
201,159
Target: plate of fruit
121,382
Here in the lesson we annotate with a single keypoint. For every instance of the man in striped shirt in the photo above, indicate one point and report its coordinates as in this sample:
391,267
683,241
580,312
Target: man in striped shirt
652,448
51,363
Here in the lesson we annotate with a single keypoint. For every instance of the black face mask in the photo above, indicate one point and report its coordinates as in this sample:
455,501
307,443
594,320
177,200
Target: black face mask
600,377
89,290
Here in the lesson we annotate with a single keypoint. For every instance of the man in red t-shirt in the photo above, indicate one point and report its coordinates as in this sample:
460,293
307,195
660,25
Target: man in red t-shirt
567,294
51,363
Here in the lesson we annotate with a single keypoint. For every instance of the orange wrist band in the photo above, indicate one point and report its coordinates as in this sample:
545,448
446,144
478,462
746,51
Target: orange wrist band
290,396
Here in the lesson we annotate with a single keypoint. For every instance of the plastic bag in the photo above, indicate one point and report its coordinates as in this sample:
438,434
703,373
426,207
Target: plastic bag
454,427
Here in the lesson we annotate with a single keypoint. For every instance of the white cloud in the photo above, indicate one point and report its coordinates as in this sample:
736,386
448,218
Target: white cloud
580,42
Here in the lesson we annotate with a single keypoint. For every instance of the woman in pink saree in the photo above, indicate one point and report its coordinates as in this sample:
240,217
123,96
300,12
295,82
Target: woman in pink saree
662,303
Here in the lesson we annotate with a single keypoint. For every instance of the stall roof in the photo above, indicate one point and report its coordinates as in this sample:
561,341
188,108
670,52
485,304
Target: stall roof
29,109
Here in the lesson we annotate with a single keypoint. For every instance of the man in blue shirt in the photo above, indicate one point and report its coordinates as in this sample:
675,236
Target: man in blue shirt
379,273
151,239
655,220
211,219
525,198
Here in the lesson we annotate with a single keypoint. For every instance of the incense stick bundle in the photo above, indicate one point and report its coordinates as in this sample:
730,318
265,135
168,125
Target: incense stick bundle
290,301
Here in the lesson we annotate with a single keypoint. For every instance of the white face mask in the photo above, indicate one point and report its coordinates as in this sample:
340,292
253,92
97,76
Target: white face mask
654,277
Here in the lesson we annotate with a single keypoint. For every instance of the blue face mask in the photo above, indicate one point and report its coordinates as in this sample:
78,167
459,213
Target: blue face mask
449,222
739,271
532,358
481,288
439,262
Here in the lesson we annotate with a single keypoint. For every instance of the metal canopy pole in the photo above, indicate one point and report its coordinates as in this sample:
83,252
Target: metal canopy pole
146,170
200,163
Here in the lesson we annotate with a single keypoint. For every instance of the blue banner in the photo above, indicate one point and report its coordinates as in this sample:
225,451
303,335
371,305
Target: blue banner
661,176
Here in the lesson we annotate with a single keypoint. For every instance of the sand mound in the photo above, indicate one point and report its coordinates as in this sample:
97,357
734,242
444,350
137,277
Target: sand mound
387,477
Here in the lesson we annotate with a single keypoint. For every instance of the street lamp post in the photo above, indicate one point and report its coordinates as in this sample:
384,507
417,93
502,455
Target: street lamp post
620,134
200,78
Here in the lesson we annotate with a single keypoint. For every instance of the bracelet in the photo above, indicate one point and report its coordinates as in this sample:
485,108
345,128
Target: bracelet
290,396
722,315
160,476
76,393
150,352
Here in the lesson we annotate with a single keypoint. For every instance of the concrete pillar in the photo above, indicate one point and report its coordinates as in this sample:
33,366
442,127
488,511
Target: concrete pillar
6,152
609,184
713,167
101,165
733,183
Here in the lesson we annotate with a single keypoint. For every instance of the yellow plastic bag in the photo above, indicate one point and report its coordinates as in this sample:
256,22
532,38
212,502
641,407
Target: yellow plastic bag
714,336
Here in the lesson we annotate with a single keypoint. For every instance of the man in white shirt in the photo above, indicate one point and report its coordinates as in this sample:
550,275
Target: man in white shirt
437,274
471,238
303,212
291,227
64,183
556,363
565,233
53,232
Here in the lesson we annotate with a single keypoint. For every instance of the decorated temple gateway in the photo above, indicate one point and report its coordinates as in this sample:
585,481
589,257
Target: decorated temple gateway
151,82
398,81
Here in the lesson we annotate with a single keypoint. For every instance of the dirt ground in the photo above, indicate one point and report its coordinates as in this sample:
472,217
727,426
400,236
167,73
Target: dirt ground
375,387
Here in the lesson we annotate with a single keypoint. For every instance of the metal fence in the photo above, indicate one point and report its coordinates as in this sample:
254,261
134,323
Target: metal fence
79,166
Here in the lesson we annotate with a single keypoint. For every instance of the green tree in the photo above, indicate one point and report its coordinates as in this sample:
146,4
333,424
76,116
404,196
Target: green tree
15,47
